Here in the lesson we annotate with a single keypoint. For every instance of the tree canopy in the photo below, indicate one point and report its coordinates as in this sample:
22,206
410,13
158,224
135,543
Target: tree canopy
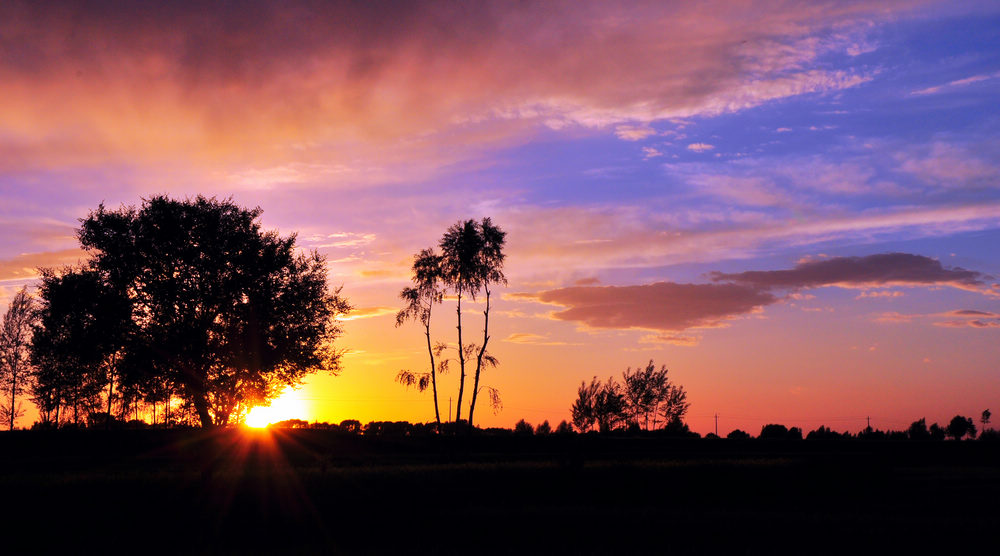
213,307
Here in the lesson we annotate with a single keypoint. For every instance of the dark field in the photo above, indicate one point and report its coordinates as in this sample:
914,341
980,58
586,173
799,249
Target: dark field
313,491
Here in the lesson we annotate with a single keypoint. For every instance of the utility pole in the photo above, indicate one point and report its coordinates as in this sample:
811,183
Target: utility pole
716,424
449,409
869,422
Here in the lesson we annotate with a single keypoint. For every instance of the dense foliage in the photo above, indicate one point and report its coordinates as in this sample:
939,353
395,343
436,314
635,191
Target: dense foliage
645,399
188,298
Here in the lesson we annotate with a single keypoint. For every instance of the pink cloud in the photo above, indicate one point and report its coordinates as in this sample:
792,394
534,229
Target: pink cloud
634,132
976,323
672,339
953,166
700,147
664,306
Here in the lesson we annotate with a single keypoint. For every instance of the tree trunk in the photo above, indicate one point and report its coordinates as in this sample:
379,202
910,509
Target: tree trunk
479,358
461,361
13,392
111,390
434,384
201,406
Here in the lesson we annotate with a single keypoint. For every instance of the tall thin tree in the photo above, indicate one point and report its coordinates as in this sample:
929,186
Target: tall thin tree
15,343
461,271
471,259
420,300
491,266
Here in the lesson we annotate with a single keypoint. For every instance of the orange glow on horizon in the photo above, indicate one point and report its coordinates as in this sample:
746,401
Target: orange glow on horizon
289,405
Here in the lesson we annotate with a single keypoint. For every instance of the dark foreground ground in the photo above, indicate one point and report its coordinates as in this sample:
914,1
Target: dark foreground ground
311,491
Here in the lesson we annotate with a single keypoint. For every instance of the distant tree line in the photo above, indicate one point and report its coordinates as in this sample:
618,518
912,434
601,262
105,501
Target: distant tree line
958,428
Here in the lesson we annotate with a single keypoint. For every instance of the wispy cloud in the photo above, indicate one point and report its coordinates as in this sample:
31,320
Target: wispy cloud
369,312
954,84
534,339
634,132
25,267
700,147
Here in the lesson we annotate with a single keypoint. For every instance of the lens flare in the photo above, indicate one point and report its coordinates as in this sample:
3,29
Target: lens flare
286,406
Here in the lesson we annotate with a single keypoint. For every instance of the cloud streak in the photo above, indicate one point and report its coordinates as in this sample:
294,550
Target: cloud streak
854,272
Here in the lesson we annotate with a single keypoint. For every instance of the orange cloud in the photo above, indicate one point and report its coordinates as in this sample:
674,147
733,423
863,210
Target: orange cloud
369,312
534,339
25,267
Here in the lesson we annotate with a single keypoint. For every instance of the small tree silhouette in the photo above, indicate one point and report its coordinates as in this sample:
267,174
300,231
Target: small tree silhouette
918,430
960,427
15,362
564,428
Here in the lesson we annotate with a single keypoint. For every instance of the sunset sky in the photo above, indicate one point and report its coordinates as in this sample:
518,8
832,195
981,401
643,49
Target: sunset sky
795,206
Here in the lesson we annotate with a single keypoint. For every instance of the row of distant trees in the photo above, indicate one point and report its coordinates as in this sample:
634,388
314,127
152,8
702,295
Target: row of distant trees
958,428
186,306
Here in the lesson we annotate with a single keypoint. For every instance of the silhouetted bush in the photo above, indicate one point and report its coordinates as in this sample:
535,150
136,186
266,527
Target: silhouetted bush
350,425
960,427
290,424
544,428
773,432
564,428
990,435
918,430
825,433
523,428
738,435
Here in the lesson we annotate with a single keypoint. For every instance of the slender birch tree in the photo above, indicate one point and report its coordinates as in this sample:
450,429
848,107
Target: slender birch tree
15,343
420,300
471,260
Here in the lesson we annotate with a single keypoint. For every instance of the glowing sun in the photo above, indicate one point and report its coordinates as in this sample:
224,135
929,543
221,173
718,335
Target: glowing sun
286,406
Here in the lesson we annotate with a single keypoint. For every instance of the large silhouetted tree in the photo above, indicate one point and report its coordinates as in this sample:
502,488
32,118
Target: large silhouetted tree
420,300
15,341
225,312
472,260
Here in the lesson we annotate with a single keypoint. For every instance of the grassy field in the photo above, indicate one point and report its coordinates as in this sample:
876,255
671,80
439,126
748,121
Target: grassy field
311,491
